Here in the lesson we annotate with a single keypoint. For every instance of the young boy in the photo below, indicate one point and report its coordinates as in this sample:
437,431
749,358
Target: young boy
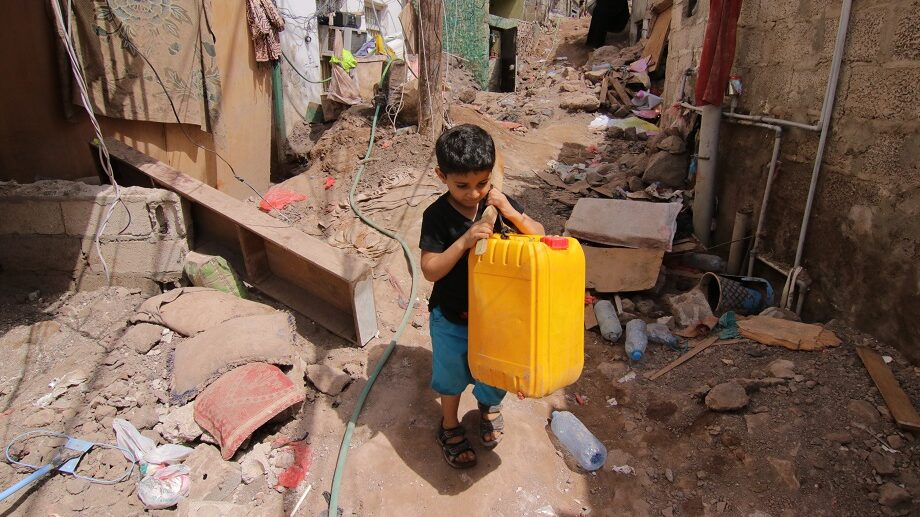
450,227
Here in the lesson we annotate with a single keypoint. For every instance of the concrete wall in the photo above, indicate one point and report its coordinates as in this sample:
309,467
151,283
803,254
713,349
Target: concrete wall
863,247
47,230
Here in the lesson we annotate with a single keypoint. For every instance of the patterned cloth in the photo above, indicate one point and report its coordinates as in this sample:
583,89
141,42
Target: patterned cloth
115,39
265,22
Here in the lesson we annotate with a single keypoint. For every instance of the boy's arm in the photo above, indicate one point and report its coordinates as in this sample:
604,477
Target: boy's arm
436,265
522,222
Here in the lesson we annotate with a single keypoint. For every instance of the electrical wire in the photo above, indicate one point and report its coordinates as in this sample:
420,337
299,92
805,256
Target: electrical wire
294,68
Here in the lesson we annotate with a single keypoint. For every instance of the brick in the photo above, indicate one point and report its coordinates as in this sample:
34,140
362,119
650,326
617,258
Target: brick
863,37
30,217
907,35
129,217
153,259
899,99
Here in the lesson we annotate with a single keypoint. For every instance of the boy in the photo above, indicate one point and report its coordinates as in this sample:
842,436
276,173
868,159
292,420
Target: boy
450,227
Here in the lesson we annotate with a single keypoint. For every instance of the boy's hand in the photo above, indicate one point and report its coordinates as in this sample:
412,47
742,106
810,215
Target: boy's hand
480,230
497,199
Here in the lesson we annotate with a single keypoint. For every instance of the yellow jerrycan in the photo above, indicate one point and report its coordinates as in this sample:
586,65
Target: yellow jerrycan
526,313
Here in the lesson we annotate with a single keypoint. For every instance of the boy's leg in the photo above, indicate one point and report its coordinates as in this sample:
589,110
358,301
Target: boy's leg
450,404
450,375
489,398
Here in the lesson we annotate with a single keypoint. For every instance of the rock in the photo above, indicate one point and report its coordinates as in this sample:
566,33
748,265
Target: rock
143,417
75,486
729,439
570,87
882,464
669,474
600,175
892,495
213,479
728,396
668,512
689,308
628,305
666,168
782,369
41,418
179,426
615,132
580,102
635,184
254,464
784,314
863,412
756,422
646,306
895,442
672,144
786,472
720,507
596,76
467,96
701,474
613,370
840,437
142,337
569,73
328,380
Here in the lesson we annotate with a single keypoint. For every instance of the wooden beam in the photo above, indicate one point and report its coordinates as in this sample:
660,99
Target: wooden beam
625,98
700,346
324,283
897,401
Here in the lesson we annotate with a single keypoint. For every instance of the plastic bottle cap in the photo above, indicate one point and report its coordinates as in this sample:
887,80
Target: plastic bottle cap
556,243
635,355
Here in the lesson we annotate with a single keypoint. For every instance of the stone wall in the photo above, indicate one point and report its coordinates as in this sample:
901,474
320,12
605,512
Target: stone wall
47,231
863,247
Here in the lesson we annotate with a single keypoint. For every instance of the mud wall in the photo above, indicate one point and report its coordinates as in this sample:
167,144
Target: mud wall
863,241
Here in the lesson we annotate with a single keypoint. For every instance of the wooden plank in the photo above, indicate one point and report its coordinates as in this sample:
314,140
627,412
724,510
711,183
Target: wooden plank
699,347
622,93
605,85
322,282
895,398
618,270
656,41
590,317
789,334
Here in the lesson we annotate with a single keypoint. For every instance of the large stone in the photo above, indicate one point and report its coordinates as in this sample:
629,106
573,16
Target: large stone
596,76
213,479
782,368
672,144
728,396
863,412
179,426
882,464
328,380
689,308
580,102
892,495
668,169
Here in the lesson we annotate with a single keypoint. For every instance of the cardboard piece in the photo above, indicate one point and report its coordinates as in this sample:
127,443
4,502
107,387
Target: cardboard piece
590,317
630,224
789,334
617,270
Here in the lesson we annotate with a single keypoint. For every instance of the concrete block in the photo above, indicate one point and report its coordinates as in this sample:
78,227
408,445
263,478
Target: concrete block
39,253
88,281
30,217
157,259
129,217
900,102
906,43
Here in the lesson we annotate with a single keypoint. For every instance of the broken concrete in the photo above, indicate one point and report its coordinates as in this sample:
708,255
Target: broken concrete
328,380
579,101
689,308
213,479
142,337
668,169
179,426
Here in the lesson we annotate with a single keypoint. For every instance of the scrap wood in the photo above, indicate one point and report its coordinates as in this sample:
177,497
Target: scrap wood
896,399
605,86
579,187
590,317
622,93
699,347
789,334
550,179
566,198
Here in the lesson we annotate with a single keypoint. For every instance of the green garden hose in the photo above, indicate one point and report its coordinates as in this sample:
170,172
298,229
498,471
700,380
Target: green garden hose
410,258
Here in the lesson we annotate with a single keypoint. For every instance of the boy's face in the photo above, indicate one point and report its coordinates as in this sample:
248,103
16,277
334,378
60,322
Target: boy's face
467,189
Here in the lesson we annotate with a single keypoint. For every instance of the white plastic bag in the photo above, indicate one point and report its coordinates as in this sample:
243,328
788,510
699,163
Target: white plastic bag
145,449
165,487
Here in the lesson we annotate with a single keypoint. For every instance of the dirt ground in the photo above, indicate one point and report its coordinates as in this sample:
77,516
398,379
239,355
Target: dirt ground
818,441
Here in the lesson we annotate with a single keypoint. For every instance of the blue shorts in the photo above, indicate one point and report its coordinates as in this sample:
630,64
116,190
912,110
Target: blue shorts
450,367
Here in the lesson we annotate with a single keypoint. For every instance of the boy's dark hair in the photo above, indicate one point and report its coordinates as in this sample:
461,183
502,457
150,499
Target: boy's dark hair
465,148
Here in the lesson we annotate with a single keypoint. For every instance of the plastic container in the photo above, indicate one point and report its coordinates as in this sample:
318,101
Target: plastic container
607,320
660,333
636,339
588,451
526,313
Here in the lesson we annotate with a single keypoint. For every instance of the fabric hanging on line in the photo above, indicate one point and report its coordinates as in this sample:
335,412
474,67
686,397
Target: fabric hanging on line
342,88
718,51
265,24
112,38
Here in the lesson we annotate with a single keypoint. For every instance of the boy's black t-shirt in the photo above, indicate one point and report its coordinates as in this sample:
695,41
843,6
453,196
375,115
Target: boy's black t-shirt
442,225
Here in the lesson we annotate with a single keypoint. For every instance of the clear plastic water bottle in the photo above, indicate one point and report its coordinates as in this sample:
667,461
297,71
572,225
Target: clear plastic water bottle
636,339
661,334
607,319
588,451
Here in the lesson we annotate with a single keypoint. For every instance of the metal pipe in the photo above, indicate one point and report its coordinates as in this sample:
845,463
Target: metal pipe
705,187
739,234
773,121
826,111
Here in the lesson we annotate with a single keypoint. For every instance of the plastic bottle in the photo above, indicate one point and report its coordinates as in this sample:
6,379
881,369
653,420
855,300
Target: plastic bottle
636,339
588,451
607,319
661,334
704,262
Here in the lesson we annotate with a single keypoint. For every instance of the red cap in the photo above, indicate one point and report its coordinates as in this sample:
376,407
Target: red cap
556,243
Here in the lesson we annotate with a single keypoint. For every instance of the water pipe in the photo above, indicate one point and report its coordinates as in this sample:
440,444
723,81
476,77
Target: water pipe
705,185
